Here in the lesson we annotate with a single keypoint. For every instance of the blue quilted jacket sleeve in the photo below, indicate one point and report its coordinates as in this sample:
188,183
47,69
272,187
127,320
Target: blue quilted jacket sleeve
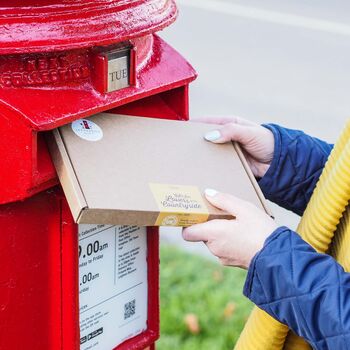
296,166
308,291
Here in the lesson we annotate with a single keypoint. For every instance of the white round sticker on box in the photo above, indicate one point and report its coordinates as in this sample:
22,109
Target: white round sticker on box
87,130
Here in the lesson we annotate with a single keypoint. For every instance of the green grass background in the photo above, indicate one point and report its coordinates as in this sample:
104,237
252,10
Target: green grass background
193,284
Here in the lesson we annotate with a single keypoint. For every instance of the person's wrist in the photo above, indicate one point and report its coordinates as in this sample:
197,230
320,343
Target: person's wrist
265,153
262,170
269,227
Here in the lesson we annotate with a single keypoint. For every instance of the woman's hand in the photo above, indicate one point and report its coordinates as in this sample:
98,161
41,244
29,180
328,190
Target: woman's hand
257,142
236,241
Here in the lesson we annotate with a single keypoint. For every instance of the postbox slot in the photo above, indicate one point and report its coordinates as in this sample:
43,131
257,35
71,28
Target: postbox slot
44,168
172,104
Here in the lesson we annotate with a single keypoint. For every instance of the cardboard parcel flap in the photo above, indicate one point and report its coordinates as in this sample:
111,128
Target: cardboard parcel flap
148,172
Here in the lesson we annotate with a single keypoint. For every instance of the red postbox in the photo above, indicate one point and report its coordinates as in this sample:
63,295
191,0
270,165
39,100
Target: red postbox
61,61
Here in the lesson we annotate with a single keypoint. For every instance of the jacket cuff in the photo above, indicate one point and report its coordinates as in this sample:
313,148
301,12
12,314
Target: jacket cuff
249,287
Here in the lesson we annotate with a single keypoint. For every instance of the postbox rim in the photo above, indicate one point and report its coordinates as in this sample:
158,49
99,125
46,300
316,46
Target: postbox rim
69,26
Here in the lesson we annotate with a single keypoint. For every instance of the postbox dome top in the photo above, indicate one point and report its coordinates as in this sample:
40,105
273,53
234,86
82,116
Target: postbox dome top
50,25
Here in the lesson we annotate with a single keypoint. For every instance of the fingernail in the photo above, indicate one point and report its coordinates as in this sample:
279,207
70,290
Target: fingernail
212,135
210,192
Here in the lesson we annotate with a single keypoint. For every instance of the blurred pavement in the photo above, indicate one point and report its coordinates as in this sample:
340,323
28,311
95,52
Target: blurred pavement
286,62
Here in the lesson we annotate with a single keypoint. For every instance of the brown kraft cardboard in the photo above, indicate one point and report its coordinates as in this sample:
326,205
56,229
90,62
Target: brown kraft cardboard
127,170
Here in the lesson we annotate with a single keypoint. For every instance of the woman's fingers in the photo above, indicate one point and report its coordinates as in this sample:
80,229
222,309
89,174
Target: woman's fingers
206,231
226,202
234,242
202,232
230,132
220,120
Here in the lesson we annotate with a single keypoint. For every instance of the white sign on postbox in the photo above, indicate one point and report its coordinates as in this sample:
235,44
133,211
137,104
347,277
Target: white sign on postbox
113,286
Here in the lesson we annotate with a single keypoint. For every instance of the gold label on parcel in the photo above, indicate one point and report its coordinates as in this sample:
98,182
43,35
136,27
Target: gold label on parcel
179,205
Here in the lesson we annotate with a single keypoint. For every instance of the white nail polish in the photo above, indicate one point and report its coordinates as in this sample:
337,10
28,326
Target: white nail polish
212,135
210,192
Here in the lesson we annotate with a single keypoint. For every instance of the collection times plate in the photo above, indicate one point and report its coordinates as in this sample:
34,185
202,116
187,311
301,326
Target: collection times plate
113,286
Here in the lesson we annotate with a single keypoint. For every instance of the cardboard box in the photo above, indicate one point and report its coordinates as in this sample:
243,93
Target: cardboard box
148,172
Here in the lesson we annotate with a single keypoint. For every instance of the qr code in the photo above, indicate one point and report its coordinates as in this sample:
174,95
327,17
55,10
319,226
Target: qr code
129,309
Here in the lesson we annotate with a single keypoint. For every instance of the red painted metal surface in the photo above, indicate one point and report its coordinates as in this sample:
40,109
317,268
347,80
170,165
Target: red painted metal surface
49,77
30,279
52,25
69,262
52,105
